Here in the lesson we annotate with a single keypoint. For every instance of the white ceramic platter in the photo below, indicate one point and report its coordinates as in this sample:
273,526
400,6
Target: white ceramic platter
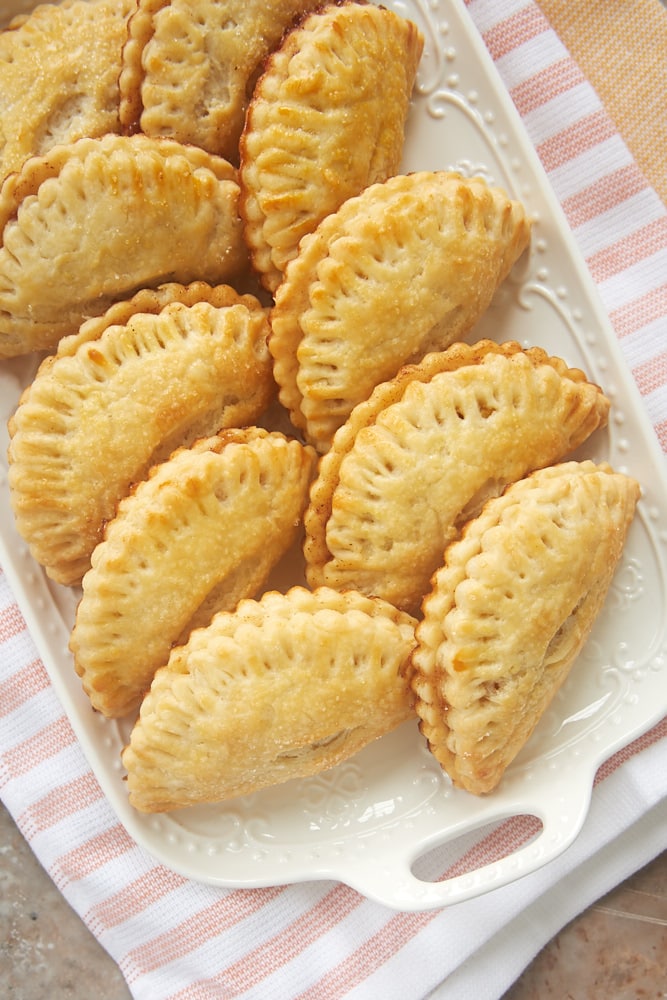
374,822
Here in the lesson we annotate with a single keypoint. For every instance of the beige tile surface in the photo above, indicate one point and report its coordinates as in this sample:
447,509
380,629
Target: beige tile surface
616,950
46,951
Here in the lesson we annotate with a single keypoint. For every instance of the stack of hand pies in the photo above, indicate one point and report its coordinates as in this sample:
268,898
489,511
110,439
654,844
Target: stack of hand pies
257,341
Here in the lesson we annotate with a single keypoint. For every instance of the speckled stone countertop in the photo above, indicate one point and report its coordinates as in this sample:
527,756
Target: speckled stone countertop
615,950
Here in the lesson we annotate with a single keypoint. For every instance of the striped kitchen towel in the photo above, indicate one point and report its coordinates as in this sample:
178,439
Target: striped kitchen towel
175,939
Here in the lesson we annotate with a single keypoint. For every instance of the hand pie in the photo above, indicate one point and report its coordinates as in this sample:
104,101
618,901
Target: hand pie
199,534
91,222
189,66
407,267
59,80
281,688
421,456
93,422
325,120
510,610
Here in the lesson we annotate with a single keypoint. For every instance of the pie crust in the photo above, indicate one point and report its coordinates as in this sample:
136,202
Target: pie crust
93,421
405,268
422,455
510,611
281,688
203,531
93,221
189,66
59,81
326,119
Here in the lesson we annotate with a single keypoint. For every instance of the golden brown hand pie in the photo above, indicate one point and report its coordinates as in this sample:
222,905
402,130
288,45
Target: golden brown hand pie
201,533
405,268
59,78
189,66
281,688
93,221
426,450
510,610
326,119
93,421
